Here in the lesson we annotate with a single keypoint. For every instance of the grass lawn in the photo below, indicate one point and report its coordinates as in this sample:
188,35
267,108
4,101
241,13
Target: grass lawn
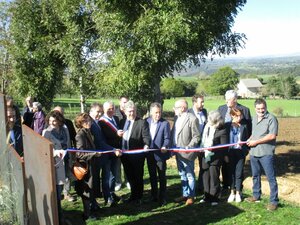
291,108
172,213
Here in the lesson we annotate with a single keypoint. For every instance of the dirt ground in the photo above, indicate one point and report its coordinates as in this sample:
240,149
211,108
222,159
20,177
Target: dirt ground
287,162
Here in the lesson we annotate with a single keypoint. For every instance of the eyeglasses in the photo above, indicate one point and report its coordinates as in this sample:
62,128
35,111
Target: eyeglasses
176,107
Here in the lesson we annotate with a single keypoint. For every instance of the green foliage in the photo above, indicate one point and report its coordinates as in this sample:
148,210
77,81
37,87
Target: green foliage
172,88
153,38
116,47
222,80
38,68
283,86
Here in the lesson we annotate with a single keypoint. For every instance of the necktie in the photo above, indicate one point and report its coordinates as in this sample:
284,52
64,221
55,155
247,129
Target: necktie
126,134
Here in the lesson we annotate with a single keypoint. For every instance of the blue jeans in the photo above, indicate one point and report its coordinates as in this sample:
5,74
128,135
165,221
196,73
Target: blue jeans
267,163
187,176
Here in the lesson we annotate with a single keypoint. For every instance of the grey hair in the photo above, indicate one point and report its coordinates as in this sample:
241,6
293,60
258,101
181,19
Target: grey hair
129,105
230,94
155,104
108,103
37,105
215,119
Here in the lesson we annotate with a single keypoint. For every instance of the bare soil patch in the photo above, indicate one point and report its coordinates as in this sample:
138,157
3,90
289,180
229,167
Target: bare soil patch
287,162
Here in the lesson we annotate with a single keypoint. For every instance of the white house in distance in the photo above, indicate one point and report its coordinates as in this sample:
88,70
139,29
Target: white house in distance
249,88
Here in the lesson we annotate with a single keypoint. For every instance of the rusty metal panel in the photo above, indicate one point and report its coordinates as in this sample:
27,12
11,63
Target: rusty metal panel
17,186
3,135
40,179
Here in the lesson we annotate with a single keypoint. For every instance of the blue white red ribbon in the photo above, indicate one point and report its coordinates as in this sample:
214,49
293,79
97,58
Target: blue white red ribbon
142,150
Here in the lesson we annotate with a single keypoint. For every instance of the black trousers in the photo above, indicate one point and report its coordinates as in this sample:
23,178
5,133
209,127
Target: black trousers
157,167
211,181
134,170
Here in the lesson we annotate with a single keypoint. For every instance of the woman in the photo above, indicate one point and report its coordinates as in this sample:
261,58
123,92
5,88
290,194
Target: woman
38,120
237,154
84,141
58,134
214,134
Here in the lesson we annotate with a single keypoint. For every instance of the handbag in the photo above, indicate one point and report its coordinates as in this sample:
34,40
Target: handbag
79,170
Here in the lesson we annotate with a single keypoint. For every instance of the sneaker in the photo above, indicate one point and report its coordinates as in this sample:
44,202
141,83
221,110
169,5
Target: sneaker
69,198
118,187
231,198
189,201
128,185
272,207
214,203
252,199
238,198
202,200
181,199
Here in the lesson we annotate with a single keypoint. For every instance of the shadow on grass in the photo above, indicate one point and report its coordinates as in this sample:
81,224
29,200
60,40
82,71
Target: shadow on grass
195,214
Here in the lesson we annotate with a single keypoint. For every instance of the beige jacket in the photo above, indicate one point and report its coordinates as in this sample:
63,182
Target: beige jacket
188,136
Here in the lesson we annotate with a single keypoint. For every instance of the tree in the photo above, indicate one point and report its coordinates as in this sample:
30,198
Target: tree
38,67
288,87
222,80
137,43
5,43
172,88
148,40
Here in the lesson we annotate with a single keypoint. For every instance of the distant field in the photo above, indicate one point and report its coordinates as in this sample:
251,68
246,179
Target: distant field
291,108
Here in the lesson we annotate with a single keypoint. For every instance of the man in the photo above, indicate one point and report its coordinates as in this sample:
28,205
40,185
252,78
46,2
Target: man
101,162
231,102
28,111
156,161
136,136
120,113
201,113
262,143
10,103
185,134
15,131
67,160
110,124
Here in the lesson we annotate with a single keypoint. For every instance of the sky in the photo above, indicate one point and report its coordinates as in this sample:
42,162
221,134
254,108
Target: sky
272,27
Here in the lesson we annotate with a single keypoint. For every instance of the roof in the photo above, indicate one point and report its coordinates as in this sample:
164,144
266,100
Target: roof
251,83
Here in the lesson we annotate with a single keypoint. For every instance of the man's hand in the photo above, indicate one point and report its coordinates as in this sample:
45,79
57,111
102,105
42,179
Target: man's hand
120,133
251,143
163,150
118,152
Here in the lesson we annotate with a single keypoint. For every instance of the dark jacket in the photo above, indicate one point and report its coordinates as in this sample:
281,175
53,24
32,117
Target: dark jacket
84,141
140,134
161,139
110,133
246,114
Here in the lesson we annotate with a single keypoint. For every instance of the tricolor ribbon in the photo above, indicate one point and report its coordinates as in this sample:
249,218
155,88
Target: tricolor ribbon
137,151
109,123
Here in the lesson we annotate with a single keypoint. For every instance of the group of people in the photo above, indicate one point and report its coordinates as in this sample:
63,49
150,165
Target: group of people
224,136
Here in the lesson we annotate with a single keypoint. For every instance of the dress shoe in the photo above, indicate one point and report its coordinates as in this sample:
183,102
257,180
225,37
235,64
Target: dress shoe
272,207
189,201
162,202
252,199
180,199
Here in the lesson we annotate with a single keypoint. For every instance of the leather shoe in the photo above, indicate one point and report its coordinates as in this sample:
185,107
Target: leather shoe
162,202
189,201
180,199
272,207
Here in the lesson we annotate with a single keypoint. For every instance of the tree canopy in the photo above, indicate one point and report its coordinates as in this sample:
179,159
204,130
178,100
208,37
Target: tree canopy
222,80
126,47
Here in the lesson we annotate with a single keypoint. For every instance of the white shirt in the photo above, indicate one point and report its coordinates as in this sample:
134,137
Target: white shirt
127,133
153,127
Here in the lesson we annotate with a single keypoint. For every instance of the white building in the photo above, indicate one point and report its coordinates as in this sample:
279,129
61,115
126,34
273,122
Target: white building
249,88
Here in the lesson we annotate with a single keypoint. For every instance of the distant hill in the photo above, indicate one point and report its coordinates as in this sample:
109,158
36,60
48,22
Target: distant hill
286,65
